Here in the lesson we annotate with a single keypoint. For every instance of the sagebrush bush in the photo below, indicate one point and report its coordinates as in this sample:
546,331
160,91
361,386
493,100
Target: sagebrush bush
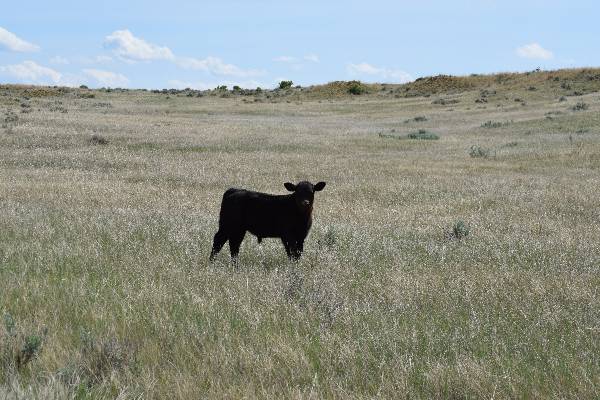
98,140
479,152
357,88
422,134
285,84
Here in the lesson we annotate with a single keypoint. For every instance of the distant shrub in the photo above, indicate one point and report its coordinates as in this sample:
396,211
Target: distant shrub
83,87
581,106
388,135
357,88
422,134
562,98
479,152
221,88
258,90
10,117
494,124
285,84
98,140
459,231
236,88
443,102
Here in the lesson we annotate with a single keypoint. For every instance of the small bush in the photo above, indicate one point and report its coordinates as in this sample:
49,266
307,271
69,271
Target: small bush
285,84
17,347
443,102
422,134
562,98
459,231
491,124
494,124
357,88
10,117
388,135
580,106
479,152
98,140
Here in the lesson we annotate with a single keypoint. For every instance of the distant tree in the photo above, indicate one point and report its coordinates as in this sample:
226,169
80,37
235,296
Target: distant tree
285,84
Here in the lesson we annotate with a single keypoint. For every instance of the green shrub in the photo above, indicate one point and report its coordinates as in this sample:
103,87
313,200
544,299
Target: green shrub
459,231
98,140
422,134
357,88
581,106
479,152
491,124
285,84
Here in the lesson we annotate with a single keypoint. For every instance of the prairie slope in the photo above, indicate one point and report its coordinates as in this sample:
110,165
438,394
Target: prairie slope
109,200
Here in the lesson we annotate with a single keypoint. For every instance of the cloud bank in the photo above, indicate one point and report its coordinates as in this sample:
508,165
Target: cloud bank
12,42
367,70
534,51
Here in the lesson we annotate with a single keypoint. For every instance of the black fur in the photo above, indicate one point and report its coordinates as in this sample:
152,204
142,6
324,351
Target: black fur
288,217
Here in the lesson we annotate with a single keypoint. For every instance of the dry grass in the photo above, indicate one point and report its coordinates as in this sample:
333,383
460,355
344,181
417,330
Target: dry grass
104,248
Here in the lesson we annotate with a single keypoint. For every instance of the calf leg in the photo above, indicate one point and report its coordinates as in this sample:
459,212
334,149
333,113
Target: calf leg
218,242
286,244
235,240
298,249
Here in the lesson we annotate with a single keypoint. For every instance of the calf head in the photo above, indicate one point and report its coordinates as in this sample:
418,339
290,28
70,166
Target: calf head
304,194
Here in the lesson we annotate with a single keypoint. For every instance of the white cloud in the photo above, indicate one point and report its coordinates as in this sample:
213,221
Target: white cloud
103,59
58,60
11,42
131,48
365,69
312,57
30,72
535,51
216,66
107,78
284,59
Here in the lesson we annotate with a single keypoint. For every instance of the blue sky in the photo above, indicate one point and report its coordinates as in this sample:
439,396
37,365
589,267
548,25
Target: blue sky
202,44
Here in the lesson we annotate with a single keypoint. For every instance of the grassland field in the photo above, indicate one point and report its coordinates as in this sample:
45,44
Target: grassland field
461,267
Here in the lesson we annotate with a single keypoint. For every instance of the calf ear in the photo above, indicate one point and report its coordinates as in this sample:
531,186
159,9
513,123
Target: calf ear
319,186
290,186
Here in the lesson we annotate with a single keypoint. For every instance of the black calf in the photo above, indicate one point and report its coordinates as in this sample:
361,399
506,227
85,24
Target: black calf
288,217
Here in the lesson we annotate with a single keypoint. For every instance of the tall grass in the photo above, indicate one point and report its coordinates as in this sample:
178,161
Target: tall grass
104,253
